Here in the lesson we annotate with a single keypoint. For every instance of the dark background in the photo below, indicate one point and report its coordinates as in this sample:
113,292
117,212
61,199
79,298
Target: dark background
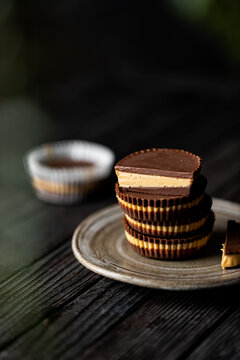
127,74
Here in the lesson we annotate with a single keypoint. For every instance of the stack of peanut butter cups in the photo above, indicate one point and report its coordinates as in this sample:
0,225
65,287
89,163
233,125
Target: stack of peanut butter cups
167,214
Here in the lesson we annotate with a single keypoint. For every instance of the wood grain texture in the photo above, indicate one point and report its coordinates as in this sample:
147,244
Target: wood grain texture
35,229
83,321
165,326
39,290
50,306
222,342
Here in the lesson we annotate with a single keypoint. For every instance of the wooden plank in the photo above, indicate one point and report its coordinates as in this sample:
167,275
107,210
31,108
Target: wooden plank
222,343
183,317
222,167
38,232
39,290
39,294
164,324
52,307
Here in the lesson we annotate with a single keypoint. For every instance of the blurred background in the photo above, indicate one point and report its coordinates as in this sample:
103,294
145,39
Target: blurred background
128,74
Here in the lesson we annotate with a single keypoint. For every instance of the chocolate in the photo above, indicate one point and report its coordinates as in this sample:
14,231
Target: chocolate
184,226
59,163
146,207
161,162
167,213
232,244
197,189
169,248
164,191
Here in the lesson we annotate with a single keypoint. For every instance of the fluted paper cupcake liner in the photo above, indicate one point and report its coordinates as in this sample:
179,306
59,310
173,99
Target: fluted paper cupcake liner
67,185
70,195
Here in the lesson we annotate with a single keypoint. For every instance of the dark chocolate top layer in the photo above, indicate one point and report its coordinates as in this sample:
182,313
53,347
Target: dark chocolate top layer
232,244
161,162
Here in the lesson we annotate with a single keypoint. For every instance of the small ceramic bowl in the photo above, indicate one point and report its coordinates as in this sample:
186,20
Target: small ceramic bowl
65,172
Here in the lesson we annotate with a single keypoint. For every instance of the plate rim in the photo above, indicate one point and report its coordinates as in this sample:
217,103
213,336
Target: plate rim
114,275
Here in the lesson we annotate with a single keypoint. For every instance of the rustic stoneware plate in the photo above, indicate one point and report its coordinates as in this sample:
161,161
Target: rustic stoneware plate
99,244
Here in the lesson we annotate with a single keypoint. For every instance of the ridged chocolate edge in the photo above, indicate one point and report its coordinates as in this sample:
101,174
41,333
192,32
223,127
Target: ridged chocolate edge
162,216
201,211
168,254
204,231
168,232
163,213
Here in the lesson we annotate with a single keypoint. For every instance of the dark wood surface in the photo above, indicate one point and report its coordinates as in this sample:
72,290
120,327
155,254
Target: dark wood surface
51,307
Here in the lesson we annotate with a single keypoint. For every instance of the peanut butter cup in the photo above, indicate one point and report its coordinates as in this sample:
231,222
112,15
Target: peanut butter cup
184,226
159,171
65,172
169,248
152,207
231,248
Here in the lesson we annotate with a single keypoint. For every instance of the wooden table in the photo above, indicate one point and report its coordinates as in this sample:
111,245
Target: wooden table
54,308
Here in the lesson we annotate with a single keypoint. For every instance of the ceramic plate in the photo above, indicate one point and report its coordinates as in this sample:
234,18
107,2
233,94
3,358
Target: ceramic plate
99,243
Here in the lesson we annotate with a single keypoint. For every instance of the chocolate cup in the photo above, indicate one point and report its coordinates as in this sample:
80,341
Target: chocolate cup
149,208
170,248
180,227
173,163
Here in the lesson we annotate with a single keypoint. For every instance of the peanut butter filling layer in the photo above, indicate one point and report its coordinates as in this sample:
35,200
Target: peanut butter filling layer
133,180
184,228
59,188
229,261
231,247
199,243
